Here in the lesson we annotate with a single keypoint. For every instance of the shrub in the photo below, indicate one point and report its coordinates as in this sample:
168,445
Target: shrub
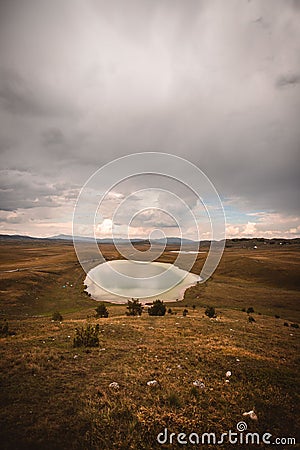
135,308
173,401
185,312
277,317
194,392
170,311
294,325
194,307
4,331
210,312
251,319
4,328
286,324
101,311
250,310
57,317
87,337
157,309
244,309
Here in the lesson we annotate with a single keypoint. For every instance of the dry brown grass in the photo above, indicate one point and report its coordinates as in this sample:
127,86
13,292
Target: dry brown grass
56,396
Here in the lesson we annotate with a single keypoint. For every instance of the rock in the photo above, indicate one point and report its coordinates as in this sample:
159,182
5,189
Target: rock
251,414
199,383
152,383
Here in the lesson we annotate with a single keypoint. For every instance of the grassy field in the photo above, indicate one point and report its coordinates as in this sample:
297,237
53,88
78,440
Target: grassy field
55,396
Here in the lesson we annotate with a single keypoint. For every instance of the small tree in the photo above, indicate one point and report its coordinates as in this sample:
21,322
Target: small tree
57,317
4,329
185,312
157,309
101,311
135,308
87,337
210,312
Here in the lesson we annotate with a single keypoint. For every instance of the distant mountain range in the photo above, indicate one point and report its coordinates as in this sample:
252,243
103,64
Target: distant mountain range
170,240
67,237
240,242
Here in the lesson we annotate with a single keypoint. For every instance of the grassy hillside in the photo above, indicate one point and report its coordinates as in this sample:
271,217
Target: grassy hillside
56,396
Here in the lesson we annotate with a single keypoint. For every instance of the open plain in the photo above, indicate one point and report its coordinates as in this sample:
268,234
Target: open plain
55,396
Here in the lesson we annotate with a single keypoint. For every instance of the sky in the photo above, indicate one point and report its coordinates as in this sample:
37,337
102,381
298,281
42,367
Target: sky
215,82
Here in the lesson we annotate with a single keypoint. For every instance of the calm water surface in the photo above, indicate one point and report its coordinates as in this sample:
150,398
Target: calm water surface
116,281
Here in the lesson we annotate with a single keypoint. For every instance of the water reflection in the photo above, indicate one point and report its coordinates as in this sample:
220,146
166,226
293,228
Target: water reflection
116,281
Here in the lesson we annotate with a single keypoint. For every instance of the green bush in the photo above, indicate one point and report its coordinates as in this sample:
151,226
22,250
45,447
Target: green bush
294,325
87,337
185,312
210,312
57,317
135,308
194,392
250,310
4,331
251,319
173,401
170,311
157,309
101,311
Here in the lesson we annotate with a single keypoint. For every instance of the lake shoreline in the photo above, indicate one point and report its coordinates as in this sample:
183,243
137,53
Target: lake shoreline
96,288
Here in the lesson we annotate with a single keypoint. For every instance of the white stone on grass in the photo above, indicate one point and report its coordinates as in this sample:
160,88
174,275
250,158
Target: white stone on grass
199,383
251,414
152,383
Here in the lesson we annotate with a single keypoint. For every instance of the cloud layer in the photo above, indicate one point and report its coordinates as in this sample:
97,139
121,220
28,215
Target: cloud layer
215,82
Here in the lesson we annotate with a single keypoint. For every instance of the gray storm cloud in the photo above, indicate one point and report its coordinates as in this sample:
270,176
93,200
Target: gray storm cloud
215,82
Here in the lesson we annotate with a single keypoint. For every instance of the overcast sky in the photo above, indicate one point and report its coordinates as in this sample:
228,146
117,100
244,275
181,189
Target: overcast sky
215,82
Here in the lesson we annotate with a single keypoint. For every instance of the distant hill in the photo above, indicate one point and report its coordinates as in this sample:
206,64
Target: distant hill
17,237
170,240
68,237
235,242
176,241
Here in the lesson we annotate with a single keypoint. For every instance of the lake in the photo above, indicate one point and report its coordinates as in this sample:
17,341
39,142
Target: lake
116,281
